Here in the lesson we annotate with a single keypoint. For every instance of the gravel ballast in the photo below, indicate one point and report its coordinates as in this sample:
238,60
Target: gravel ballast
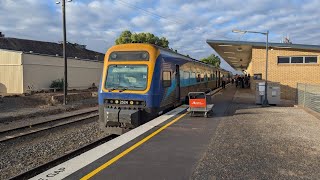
25,153
263,143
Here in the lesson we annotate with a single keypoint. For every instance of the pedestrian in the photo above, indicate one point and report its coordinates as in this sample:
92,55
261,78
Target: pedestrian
223,82
239,81
242,82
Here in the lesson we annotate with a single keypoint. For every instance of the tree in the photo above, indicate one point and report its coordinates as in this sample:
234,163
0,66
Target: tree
128,37
124,38
212,59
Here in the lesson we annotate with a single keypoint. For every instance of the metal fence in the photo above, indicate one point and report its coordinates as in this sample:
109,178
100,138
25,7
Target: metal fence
309,96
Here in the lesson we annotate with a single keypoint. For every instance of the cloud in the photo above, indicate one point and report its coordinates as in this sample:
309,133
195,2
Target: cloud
186,23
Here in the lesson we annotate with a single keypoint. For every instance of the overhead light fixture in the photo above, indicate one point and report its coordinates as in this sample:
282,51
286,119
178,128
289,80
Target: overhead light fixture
239,31
225,45
229,52
232,57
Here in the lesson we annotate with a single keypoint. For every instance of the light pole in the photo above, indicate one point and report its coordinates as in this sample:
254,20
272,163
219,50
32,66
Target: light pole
265,102
65,85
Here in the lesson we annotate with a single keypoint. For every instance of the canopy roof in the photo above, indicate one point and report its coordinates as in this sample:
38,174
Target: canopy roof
238,53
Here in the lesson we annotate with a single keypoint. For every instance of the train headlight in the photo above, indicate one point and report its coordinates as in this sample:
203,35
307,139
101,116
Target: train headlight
111,101
131,102
113,55
137,103
144,55
116,101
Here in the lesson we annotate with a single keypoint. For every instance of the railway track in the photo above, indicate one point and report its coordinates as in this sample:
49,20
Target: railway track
33,172
14,133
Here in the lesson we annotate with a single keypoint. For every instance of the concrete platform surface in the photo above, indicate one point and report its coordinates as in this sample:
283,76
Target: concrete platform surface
241,141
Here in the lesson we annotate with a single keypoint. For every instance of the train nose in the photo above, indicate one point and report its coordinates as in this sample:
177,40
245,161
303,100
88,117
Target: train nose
119,118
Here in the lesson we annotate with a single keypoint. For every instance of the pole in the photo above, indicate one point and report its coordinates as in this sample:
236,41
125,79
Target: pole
65,89
266,102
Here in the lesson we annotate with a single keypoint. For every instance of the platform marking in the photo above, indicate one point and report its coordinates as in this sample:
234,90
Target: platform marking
69,167
116,158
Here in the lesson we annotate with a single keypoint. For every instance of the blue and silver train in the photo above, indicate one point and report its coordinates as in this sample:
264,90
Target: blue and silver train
142,81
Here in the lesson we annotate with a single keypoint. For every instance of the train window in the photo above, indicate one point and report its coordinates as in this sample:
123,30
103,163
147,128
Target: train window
198,77
128,77
129,56
202,77
193,77
186,78
166,79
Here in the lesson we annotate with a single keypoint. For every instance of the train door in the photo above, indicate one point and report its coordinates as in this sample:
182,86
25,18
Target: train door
177,77
217,79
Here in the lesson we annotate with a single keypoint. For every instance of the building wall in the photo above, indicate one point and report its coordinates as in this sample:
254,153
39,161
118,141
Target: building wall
288,75
40,71
10,72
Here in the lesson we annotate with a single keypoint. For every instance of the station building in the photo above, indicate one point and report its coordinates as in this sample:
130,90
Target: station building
288,64
28,65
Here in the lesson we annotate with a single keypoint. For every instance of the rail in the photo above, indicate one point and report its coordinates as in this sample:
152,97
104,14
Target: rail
41,168
308,96
16,132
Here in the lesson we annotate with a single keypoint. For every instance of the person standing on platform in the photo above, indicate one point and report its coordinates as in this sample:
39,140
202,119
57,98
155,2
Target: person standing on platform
242,81
224,79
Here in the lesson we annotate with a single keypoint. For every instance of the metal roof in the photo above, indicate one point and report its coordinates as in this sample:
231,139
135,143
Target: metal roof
238,53
49,48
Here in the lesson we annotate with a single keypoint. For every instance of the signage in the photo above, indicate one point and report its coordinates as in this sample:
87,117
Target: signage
197,103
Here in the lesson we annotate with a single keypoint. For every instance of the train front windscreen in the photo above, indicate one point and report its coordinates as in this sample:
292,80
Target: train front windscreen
127,77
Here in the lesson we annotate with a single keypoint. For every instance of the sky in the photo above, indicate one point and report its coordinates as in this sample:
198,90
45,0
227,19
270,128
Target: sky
187,24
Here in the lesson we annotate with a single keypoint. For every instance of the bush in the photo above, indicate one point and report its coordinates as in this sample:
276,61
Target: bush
58,84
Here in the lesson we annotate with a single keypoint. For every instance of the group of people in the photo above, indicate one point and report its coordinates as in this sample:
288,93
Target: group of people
242,81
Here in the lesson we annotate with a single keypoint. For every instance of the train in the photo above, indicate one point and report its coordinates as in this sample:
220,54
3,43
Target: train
142,81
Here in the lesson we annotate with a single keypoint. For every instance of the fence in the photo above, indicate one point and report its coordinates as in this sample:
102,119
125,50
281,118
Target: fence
309,96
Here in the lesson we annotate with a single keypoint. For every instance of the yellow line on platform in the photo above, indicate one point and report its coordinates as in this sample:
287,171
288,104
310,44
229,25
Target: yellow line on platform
116,158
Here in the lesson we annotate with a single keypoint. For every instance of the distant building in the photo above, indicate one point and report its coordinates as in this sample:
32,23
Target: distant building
28,65
288,64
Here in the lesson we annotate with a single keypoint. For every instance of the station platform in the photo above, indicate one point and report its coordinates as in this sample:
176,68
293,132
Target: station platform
227,145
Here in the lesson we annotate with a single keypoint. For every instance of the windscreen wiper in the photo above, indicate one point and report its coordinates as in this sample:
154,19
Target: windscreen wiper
112,89
123,89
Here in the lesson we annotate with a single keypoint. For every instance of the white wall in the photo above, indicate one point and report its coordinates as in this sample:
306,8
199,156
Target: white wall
40,71
10,72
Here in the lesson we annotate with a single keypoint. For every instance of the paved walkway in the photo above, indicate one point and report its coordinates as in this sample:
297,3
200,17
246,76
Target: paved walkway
262,143
241,141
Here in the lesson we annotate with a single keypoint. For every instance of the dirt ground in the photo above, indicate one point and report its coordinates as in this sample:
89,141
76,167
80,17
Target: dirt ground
20,106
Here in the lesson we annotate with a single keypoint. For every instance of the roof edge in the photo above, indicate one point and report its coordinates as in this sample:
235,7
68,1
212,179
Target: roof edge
263,44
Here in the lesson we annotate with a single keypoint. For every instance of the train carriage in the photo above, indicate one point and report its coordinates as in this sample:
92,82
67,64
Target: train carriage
141,81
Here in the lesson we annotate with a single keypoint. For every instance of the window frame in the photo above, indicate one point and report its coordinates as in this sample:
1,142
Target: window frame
303,59
111,65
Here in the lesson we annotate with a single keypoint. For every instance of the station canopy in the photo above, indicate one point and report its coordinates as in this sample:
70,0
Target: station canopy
238,53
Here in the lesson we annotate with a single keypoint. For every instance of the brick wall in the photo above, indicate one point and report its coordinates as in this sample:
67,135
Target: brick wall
287,74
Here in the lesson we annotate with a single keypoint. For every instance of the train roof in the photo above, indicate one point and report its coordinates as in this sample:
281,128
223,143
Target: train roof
171,53
178,55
